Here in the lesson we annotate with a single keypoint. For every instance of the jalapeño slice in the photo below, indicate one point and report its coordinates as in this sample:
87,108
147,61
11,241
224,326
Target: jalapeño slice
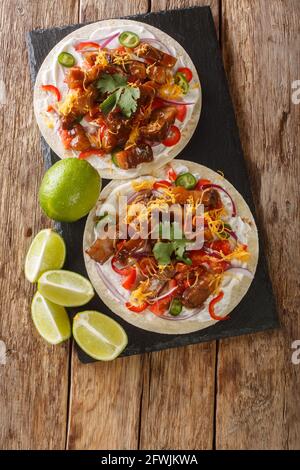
66,59
187,180
129,39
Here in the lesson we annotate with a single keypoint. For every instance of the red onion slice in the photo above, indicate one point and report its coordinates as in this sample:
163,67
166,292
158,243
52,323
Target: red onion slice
166,294
109,39
232,234
180,317
136,194
186,103
214,253
108,284
243,271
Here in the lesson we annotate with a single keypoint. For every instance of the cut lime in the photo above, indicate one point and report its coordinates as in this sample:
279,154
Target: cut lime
98,335
69,190
51,321
47,251
65,288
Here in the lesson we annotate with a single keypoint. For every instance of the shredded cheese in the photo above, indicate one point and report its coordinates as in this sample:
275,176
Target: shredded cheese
170,91
139,295
66,106
240,252
133,136
139,186
101,59
122,58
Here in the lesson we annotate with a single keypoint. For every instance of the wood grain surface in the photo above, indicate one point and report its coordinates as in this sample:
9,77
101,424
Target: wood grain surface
240,393
34,381
257,382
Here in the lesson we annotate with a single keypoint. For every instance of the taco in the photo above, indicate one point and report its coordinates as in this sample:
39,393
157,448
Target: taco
119,93
165,281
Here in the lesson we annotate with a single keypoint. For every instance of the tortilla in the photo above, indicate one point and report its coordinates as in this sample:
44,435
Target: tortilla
51,73
147,320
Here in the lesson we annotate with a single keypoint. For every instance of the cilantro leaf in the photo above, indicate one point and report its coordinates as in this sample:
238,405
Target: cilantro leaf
128,100
119,79
120,94
110,83
185,259
162,252
179,247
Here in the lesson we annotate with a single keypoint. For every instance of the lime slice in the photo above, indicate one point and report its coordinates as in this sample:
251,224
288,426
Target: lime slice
98,335
65,288
51,321
47,251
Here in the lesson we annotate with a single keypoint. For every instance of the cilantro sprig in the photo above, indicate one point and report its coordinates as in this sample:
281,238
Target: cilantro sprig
177,245
120,94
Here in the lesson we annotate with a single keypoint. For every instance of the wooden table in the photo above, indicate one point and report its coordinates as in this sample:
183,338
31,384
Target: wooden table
240,393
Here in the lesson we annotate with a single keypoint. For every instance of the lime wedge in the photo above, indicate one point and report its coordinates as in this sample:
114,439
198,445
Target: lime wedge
65,288
47,251
98,335
51,321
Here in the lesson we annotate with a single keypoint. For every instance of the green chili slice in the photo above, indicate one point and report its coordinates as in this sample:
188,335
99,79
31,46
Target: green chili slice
129,39
175,307
114,157
187,180
66,59
181,81
108,104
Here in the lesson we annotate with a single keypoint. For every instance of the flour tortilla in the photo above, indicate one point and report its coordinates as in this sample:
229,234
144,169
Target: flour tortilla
111,171
150,322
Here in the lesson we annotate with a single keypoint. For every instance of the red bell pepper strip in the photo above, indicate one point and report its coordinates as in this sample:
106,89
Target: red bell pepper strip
89,153
160,306
66,138
102,130
188,74
84,45
157,103
172,175
130,279
181,112
162,184
211,307
136,308
52,89
121,271
221,245
202,182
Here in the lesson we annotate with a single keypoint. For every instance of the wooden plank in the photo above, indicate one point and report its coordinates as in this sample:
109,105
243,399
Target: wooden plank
105,404
34,380
159,5
178,399
105,398
257,405
93,10
179,384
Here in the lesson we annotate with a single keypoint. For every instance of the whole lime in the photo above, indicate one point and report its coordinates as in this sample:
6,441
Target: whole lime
69,190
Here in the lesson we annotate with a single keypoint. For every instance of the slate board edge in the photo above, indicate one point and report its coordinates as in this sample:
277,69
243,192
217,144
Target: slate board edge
48,162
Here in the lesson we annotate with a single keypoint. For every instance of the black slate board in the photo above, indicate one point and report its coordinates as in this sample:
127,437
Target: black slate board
215,144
